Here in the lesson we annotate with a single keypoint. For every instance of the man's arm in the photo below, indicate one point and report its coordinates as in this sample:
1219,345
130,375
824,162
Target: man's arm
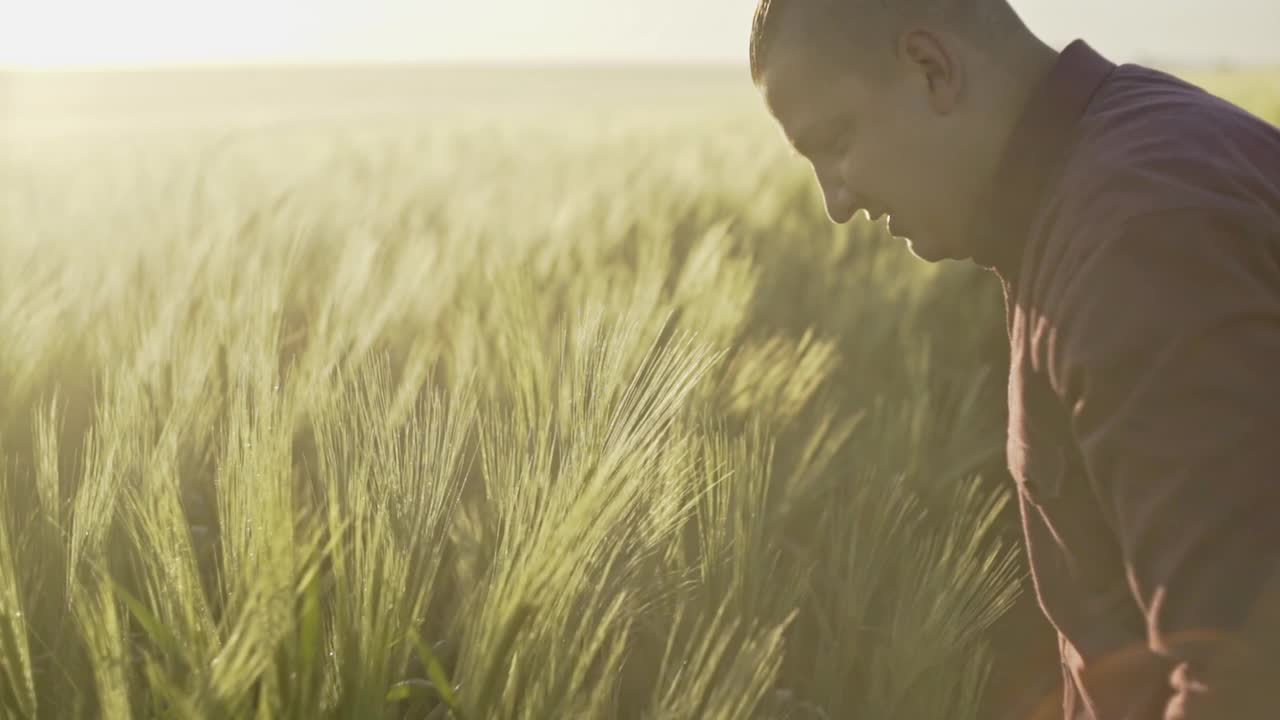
1166,351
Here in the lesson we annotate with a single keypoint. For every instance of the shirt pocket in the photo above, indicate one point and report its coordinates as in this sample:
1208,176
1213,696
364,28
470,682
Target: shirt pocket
1040,469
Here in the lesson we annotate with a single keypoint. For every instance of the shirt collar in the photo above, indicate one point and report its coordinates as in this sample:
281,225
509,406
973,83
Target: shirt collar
1033,157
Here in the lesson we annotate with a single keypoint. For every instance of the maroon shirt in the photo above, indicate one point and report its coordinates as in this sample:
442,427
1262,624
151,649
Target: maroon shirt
1135,225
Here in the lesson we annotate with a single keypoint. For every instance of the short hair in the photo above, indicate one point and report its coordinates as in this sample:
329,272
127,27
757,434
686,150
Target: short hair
835,18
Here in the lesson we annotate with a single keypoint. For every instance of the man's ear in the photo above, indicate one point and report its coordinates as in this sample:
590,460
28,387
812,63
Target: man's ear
931,57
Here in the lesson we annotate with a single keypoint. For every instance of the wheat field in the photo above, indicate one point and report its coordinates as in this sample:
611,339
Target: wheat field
558,401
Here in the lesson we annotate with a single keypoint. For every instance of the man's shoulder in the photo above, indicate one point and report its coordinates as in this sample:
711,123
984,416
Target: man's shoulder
1157,161
1151,142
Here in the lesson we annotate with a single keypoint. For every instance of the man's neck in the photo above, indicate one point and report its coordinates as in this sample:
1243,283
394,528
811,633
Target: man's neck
1022,70
1019,70
1030,62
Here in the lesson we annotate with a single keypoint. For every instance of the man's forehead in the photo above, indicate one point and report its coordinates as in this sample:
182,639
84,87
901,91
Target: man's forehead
796,89
808,64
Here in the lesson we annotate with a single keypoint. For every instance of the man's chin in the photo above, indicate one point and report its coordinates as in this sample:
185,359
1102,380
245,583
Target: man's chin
927,251
920,246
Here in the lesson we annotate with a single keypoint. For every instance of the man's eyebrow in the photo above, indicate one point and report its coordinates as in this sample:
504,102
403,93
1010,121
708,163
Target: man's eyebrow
803,142
805,138
812,138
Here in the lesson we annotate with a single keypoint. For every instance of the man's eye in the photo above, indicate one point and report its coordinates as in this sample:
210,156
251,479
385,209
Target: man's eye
835,143
832,142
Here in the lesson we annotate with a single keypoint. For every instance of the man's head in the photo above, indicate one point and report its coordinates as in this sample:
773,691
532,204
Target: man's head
901,106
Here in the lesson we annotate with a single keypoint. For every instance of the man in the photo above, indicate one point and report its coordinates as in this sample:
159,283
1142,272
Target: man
1134,222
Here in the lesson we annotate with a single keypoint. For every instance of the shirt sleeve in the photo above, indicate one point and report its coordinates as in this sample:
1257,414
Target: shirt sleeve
1166,353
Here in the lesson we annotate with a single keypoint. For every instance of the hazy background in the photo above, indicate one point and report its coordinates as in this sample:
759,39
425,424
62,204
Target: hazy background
70,33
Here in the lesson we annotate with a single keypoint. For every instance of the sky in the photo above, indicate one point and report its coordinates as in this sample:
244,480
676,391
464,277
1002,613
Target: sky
144,33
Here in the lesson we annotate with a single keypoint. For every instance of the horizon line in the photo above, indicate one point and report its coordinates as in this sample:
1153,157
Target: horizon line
478,62
723,63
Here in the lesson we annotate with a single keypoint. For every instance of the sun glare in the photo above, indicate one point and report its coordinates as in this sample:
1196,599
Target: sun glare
70,33
131,33
82,33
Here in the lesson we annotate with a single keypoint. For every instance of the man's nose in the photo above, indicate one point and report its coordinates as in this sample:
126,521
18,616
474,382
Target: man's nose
840,205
